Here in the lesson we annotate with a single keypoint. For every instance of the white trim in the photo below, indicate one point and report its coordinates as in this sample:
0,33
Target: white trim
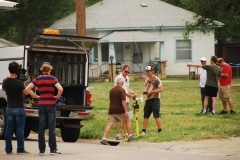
130,36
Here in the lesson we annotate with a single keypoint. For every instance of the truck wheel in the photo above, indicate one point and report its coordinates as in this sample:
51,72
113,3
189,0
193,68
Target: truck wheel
27,131
70,134
2,123
3,105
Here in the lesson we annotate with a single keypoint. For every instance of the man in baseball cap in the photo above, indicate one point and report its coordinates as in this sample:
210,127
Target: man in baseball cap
46,67
152,103
203,59
202,76
148,68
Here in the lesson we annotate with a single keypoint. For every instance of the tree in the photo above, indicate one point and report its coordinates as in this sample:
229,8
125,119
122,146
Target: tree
225,11
21,25
91,2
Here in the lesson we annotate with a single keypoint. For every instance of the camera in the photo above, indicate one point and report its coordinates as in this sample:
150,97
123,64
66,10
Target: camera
21,74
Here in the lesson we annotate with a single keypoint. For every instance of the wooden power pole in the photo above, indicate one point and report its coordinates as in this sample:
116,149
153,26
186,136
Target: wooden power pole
80,18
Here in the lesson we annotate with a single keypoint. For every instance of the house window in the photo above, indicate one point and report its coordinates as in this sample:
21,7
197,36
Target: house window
119,52
105,52
183,50
137,52
94,54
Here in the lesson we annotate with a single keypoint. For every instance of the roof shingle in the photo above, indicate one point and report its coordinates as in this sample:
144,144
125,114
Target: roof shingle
129,14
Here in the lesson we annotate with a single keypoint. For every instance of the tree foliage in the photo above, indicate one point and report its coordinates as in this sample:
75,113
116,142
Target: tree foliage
91,2
22,24
225,11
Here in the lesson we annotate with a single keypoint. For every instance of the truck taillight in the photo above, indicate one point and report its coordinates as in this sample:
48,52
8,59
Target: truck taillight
88,98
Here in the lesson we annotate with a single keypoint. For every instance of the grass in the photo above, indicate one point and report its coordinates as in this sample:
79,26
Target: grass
180,107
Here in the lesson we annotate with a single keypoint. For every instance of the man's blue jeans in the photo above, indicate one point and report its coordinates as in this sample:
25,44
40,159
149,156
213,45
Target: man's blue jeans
47,119
15,119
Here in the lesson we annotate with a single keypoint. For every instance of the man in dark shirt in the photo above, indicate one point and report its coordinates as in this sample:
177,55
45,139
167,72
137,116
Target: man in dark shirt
15,112
118,111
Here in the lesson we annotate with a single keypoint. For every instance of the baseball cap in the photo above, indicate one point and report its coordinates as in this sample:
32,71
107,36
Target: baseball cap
48,63
46,67
204,59
148,68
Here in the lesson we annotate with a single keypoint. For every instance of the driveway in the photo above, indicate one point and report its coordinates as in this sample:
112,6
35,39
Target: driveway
226,149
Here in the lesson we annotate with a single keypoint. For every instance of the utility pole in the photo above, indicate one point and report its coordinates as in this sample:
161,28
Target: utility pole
80,18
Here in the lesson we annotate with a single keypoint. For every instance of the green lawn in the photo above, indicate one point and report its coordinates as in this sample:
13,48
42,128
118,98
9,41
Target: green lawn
180,107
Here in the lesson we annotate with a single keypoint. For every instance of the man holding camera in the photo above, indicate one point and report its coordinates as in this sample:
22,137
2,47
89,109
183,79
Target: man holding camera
153,87
15,112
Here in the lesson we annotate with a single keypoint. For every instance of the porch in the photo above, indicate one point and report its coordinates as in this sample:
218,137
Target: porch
108,71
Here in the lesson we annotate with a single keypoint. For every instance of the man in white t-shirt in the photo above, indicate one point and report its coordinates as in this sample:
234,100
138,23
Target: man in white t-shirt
202,76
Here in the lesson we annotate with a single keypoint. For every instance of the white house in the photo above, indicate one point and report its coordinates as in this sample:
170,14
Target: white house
141,32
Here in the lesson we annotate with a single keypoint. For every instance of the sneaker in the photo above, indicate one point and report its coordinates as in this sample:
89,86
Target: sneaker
9,153
126,137
159,130
232,112
223,112
53,152
24,152
119,137
204,112
104,142
41,154
130,138
143,132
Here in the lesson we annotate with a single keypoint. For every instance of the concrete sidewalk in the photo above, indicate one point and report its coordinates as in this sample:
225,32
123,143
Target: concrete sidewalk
227,149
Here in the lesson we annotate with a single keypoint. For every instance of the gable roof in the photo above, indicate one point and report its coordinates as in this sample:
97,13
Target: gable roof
129,14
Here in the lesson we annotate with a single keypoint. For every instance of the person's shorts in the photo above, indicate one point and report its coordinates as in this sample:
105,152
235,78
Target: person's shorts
128,106
224,92
152,106
116,117
211,91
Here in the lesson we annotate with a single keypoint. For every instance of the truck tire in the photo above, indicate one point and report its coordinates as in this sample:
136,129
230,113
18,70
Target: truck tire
3,105
2,123
27,131
70,134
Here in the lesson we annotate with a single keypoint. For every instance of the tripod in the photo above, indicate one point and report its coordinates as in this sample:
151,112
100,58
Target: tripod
136,111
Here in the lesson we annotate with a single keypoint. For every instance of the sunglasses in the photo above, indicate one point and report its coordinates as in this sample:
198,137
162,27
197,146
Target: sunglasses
126,71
